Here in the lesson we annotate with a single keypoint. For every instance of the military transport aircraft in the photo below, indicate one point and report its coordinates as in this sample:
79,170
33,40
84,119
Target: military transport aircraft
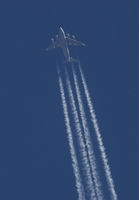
62,41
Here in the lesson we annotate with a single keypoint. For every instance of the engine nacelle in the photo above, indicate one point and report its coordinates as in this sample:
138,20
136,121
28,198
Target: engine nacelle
68,35
52,40
73,36
56,36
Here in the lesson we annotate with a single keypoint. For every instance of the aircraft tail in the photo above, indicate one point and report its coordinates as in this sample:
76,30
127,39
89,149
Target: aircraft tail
71,60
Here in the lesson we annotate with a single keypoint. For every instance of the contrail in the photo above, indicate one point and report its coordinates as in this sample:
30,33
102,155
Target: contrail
79,186
90,185
99,138
88,139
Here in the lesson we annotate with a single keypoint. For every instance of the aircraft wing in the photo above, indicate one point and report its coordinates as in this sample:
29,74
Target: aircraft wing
54,45
73,42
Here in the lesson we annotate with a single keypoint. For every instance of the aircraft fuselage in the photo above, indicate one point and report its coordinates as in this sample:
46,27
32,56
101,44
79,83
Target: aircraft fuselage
64,46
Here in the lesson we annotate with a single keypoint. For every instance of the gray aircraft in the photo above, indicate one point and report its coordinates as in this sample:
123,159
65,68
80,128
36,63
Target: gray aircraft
62,41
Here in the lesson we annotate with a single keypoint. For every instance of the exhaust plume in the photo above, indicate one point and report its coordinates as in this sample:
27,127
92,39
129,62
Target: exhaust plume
99,138
90,150
86,167
79,186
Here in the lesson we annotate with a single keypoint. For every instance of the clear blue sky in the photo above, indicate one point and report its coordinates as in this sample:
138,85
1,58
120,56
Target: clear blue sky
34,154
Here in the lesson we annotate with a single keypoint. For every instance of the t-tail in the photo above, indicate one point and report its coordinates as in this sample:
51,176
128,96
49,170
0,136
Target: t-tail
71,60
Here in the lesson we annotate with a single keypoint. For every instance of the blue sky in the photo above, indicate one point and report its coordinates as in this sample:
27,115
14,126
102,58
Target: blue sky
34,153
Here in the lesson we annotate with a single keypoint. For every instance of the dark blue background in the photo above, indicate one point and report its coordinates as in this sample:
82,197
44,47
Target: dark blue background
34,154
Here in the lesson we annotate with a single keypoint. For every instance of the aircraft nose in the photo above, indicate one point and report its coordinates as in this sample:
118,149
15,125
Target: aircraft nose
61,29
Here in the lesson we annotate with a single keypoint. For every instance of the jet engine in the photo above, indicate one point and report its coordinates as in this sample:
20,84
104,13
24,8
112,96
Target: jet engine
56,36
52,40
73,36
68,35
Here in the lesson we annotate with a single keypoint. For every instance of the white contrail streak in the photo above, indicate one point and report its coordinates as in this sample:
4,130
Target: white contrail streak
88,139
90,185
99,138
79,186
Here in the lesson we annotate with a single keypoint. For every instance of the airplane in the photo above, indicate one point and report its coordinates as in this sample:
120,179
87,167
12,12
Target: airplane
62,41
